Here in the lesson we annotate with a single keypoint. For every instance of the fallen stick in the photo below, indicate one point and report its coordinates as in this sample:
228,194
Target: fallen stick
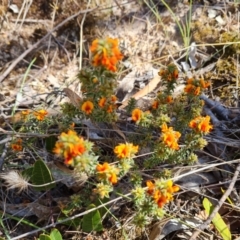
17,60
220,203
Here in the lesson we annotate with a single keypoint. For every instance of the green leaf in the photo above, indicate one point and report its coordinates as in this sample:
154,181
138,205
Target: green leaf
55,235
217,221
28,172
75,223
44,237
41,175
50,143
92,221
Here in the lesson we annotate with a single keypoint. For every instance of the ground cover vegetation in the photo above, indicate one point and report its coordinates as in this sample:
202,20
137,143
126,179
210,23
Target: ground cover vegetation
135,141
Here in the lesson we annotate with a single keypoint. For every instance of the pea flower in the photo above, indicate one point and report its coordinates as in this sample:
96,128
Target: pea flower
201,124
87,107
40,114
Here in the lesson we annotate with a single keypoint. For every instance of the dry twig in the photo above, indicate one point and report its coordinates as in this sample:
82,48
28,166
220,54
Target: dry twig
220,203
16,61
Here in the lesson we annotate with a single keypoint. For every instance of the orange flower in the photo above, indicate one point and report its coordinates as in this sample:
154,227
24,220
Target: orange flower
40,114
24,114
190,81
113,178
136,114
125,150
110,108
162,72
87,107
17,145
106,53
161,191
150,186
170,137
195,87
189,88
197,91
169,99
113,98
204,84
101,168
155,104
175,74
107,172
102,102
159,198
201,124
69,146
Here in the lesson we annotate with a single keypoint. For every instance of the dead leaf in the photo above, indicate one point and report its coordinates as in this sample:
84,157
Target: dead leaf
143,92
74,98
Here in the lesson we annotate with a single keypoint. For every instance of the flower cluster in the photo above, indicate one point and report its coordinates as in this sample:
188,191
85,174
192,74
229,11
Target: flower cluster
69,146
106,53
162,100
107,172
40,114
169,74
125,150
201,124
195,87
25,114
104,108
170,137
161,191
76,151
108,104
17,145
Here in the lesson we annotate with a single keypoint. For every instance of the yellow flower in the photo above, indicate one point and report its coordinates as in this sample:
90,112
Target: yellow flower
170,137
136,115
87,107
125,150
24,114
201,124
172,188
40,114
